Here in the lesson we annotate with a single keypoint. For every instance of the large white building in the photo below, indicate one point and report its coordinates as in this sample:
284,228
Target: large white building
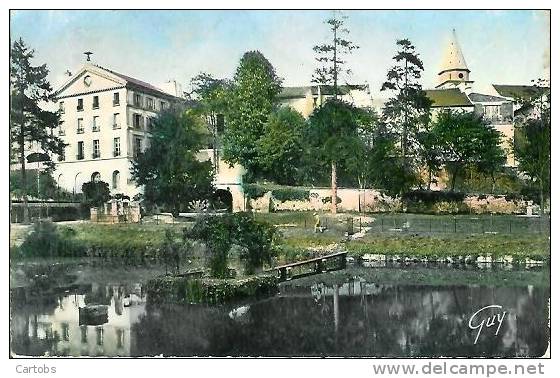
106,120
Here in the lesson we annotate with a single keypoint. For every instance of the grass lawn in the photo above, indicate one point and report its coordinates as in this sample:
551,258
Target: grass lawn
119,234
436,236
424,223
299,238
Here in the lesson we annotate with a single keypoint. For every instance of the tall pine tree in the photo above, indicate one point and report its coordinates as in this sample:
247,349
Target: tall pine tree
330,57
407,113
30,92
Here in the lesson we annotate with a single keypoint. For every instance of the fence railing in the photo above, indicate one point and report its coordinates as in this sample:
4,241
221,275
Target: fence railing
483,224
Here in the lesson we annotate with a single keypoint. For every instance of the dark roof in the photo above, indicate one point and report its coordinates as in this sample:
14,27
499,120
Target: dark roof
294,92
137,83
328,90
479,97
520,91
342,89
447,98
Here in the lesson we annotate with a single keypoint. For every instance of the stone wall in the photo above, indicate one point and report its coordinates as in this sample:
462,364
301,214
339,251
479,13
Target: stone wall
374,201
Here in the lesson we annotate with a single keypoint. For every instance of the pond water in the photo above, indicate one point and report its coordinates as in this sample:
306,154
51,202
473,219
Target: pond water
350,318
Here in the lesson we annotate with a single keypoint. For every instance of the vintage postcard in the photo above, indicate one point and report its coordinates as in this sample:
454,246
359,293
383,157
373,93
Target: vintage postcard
281,183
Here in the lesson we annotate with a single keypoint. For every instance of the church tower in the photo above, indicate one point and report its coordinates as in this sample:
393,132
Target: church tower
453,72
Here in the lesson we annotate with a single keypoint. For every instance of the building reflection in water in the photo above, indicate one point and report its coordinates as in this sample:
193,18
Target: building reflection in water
361,319
56,330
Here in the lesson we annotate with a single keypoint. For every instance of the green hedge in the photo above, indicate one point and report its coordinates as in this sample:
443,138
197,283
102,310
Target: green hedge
175,289
290,194
431,197
286,193
254,191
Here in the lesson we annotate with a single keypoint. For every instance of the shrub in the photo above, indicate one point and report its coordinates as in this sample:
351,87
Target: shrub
215,232
254,191
96,193
431,197
326,200
258,241
45,241
290,194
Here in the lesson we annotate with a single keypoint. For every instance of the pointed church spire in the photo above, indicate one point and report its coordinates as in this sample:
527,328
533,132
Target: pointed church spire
453,69
453,58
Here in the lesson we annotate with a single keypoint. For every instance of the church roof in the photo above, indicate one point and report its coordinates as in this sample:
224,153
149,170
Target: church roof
453,58
479,97
446,98
519,91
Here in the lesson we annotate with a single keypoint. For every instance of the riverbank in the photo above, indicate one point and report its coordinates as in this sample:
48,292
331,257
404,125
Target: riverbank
430,275
513,248
141,243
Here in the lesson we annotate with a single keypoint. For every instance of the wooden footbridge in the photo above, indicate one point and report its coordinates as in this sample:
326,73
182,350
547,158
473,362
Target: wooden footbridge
317,265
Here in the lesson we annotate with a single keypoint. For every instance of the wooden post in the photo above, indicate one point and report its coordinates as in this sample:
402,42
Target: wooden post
283,274
319,267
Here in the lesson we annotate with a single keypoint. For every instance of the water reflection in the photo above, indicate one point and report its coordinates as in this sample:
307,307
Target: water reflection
53,328
354,318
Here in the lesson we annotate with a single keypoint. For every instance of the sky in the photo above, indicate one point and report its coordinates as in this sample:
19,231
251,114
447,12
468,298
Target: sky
500,47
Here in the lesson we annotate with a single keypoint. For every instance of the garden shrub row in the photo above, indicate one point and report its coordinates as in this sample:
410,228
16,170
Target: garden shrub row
282,194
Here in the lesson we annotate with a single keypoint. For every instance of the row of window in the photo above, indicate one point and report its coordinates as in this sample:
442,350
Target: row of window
138,122
149,103
96,150
94,105
138,100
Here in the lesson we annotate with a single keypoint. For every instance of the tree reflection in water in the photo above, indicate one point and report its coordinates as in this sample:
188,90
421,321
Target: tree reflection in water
389,321
354,318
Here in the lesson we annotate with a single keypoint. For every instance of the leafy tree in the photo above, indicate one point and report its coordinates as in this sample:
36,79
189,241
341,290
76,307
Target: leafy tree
384,163
358,163
333,135
429,154
251,100
280,146
29,122
169,170
532,138
211,95
407,113
96,193
215,232
258,241
466,140
329,56
48,188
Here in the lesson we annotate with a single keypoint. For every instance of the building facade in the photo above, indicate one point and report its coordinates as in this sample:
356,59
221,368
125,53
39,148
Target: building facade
306,99
106,118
